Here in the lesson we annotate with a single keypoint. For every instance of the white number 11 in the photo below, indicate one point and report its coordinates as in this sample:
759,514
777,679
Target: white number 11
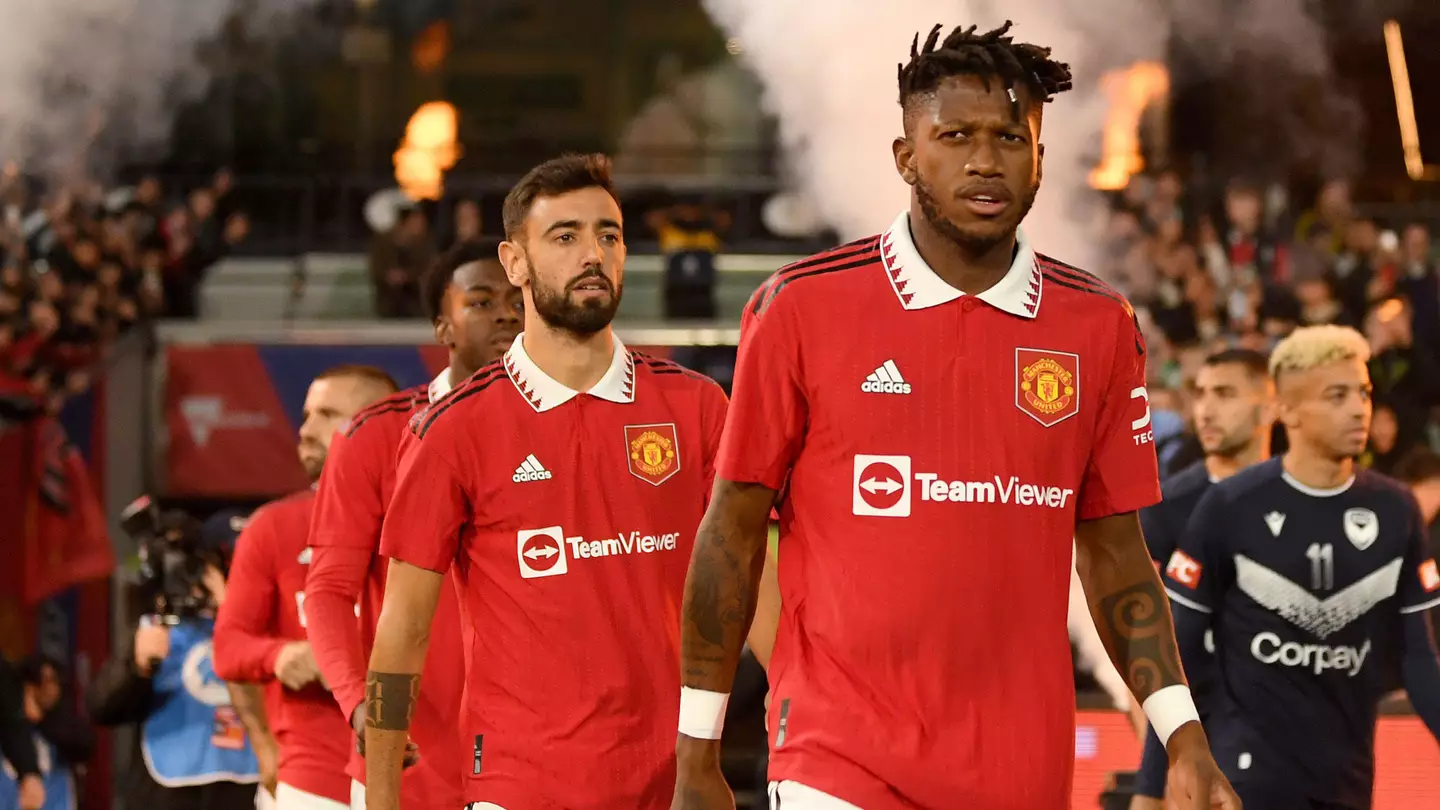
1322,566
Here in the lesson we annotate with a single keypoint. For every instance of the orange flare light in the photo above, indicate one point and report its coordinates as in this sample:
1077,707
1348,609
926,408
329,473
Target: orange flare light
1131,92
428,151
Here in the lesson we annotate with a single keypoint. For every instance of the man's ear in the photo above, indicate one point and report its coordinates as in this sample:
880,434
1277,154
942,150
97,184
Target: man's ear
904,152
512,258
444,331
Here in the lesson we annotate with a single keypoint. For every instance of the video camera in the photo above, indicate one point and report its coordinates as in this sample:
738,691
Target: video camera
173,558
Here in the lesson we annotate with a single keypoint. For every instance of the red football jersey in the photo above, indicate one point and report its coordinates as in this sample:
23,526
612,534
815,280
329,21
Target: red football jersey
354,492
264,609
569,519
939,449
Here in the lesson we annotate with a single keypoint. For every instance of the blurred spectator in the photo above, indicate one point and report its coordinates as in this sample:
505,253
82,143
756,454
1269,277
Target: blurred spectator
689,235
467,226
1419,283
1405,374
81,266
397,259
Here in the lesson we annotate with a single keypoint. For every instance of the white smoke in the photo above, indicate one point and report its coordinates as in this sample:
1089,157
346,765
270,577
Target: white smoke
830,79
81,80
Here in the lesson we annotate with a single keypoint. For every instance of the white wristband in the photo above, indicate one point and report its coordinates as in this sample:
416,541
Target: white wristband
1169,709
702,713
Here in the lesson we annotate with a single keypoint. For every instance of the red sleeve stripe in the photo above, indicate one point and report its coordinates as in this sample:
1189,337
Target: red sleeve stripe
479,382
861,254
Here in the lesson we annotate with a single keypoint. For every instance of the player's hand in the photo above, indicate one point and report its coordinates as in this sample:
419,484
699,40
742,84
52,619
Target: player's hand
295,665
32,793
699,784
152,643
1195,781
357,723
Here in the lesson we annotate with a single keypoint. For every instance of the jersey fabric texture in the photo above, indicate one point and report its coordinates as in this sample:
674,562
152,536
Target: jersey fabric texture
569,532
936,450
1304,590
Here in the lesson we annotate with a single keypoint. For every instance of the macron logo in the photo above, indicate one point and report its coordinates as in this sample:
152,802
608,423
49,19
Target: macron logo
530,470
885,380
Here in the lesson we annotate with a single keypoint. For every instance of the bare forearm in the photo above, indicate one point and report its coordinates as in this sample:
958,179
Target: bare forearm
720,594
391,687
765,623
1130,610
249,702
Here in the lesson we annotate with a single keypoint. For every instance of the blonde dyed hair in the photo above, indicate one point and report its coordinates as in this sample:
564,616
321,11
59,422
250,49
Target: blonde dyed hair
1313,346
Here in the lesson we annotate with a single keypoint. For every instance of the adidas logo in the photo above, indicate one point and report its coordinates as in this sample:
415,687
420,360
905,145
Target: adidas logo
885,380
530,470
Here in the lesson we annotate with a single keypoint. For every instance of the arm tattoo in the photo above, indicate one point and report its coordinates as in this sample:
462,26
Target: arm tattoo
720,594
1137,620
390,700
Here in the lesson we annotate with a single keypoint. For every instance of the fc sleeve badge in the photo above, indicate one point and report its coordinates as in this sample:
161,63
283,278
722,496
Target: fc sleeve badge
1047,385
1184,569
652,451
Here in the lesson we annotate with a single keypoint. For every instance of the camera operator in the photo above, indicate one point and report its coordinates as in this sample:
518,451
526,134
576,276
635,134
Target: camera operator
190,749
60,738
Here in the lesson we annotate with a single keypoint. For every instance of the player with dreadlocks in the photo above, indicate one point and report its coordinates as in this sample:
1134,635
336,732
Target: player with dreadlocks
944,409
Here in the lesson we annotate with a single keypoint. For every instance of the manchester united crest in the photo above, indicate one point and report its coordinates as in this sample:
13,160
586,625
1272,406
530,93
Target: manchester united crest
653,452
1047,385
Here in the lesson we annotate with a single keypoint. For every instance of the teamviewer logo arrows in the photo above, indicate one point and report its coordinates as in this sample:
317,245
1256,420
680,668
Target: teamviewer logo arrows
882,486
541,552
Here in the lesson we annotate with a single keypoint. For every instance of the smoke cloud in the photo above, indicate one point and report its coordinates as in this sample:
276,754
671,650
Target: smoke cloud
829,78
83,80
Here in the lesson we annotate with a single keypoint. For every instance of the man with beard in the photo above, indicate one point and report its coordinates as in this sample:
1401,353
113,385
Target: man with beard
944,409
260,634
569,530
1234,413
476,313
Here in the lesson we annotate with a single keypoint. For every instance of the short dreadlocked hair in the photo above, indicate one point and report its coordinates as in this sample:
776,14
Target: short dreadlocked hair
993,54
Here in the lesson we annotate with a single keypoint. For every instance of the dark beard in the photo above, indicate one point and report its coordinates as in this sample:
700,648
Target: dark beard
972,243
581,320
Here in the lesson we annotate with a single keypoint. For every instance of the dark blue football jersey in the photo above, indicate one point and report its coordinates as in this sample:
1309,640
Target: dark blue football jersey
1164,522
1305,590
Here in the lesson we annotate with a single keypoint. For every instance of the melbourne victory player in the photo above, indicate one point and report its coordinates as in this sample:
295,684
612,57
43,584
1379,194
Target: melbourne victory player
1316,581
260,630
476,313
569,530
909,670
1234,413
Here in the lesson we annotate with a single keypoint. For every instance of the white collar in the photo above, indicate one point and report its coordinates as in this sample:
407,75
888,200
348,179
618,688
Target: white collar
441,385
544,392
918,287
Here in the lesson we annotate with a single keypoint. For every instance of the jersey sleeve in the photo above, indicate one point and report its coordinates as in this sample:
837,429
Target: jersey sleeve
344,535
430,505
1420,582
1196,571
764,428
1123,472
246,644
712,415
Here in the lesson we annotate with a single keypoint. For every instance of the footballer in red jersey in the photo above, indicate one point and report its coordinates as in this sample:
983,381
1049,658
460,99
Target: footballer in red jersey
260,631
945,410
476,313
569,532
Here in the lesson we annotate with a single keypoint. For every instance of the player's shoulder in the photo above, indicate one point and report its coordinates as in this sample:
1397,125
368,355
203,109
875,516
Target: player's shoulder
1382,488
475,392
295,506
1253,480
385,414
1080,291
820,277
671,376
1187,483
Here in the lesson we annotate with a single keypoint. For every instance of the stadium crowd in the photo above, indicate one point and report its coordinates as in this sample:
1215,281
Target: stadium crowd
1245,269
80,265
